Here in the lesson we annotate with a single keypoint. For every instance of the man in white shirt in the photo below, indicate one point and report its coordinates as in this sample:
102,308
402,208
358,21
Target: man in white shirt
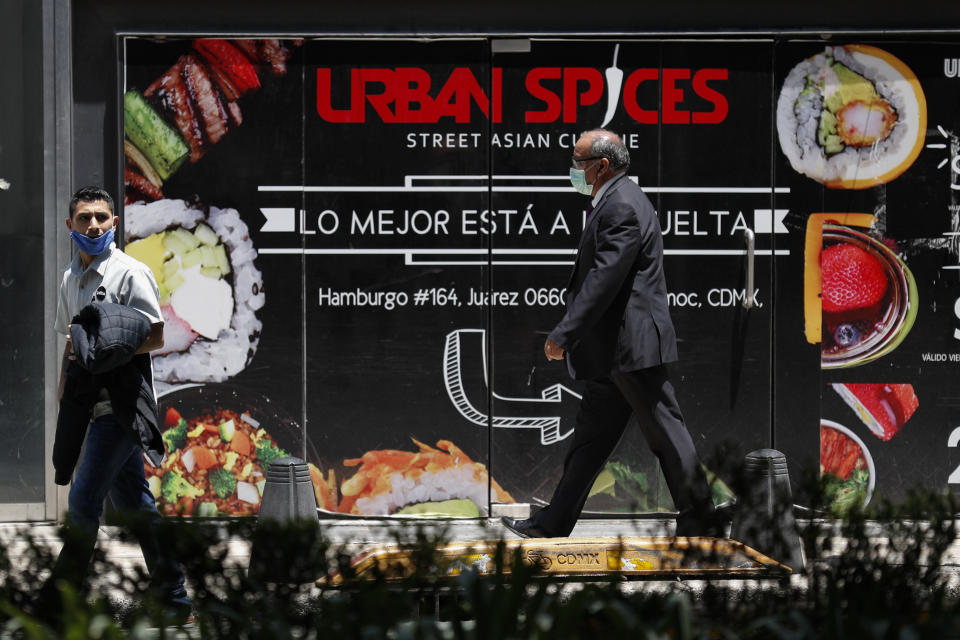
112,460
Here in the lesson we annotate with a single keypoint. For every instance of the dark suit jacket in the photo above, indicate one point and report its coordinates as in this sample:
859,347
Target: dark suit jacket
617,317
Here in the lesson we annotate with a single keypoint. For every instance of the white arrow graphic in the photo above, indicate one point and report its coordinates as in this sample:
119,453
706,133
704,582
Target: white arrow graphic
550,399
770,220
279,219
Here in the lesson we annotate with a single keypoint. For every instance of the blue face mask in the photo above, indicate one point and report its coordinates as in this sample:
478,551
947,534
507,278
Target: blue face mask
93,246
578,178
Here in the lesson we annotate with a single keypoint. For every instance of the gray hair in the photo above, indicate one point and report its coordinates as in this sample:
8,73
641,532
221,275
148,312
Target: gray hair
607,145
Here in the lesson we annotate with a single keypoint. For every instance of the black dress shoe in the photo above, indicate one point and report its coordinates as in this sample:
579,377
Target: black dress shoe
525,528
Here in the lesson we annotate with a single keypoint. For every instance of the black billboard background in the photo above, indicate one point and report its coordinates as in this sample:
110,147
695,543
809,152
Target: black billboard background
375,375
915,213
358,379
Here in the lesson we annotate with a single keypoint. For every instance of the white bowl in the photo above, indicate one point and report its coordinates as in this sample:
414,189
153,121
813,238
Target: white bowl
866,454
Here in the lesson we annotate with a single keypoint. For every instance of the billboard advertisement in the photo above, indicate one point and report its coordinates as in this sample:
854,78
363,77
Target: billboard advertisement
362,244
867,143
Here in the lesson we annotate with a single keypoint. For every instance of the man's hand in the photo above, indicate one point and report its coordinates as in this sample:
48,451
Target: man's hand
553,350
154,340
70,354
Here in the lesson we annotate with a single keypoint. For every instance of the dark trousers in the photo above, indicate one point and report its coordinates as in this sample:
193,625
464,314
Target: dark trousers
604,413
112,465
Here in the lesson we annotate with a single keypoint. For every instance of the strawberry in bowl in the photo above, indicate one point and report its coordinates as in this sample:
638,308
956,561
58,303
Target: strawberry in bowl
868,298
853,278
854,295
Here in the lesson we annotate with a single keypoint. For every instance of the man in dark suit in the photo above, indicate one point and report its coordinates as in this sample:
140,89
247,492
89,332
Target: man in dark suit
617,336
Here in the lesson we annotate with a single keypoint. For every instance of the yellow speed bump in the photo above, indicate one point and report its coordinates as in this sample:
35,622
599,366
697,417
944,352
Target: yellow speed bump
631,558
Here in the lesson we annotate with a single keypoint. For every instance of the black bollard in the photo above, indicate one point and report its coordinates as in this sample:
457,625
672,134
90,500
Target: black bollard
288,492
764,517
288,507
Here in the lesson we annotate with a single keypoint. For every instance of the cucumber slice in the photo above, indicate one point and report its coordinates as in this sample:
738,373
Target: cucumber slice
205,235
173,242
223,262
207,258
170,267
834,103
207,510
191,258
827,127
227,429
833,144
159,142
210,272
188,238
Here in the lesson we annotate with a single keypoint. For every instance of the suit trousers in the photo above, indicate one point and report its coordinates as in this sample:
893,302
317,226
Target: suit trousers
603,416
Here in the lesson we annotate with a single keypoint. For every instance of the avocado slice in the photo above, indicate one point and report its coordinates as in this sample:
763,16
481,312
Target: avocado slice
853,87
461,508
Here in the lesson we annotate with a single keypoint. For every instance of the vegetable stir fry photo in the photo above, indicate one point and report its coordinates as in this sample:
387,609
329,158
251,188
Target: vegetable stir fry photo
215,465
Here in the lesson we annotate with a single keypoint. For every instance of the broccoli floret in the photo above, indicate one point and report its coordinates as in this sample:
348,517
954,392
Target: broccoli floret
267,452
224,482
844,495
176,437
173,487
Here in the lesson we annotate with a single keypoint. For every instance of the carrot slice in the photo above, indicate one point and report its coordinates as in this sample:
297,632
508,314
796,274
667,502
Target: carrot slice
347,504
203,457
240,443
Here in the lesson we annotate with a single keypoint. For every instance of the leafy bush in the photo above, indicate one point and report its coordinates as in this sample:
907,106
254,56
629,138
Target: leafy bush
887,581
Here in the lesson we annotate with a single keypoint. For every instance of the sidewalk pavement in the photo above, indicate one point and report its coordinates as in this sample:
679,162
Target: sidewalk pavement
352,533
356,533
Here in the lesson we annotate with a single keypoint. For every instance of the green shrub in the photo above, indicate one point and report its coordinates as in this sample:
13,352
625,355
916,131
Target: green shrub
887,582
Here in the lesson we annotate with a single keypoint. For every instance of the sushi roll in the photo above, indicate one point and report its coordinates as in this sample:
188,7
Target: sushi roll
210,289
851,117
435,481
